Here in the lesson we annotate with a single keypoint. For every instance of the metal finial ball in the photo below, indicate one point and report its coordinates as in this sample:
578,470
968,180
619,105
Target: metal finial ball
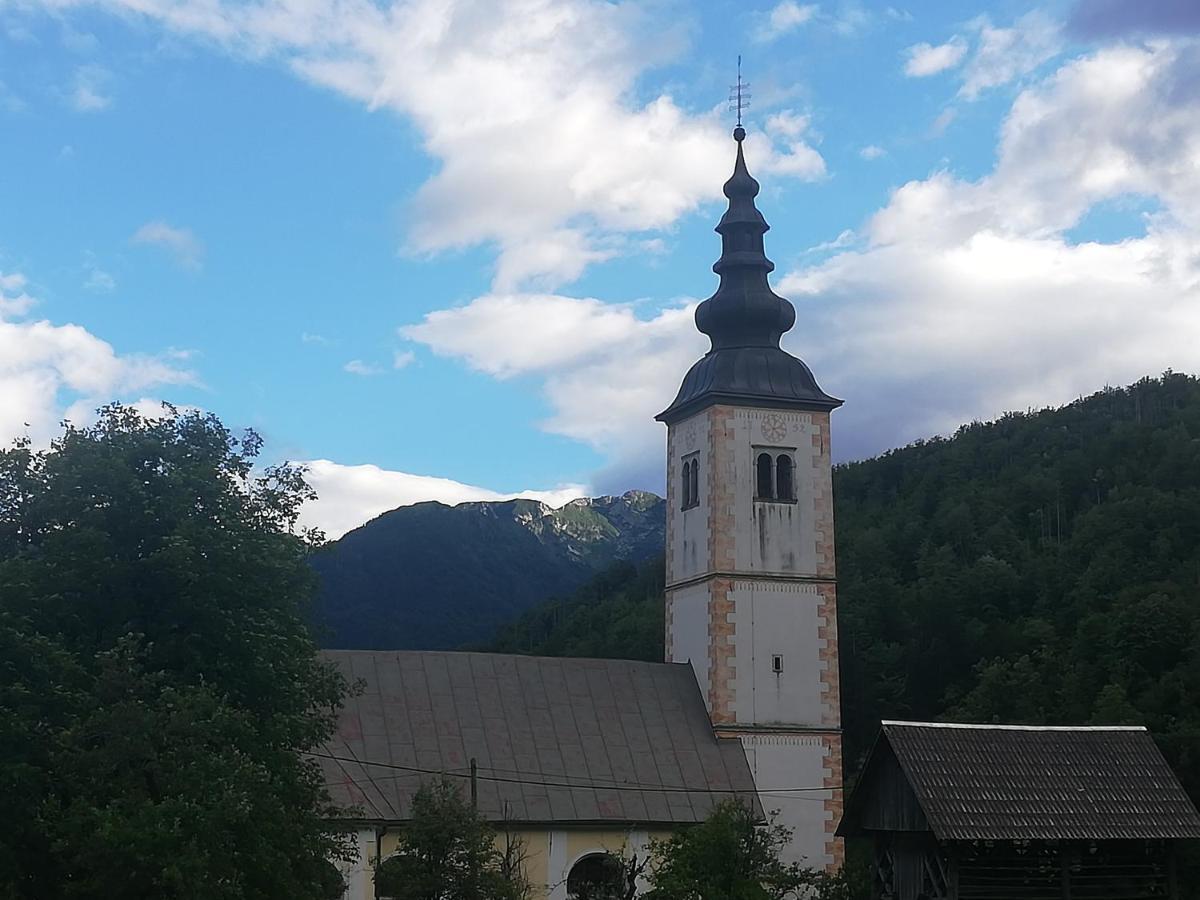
739,134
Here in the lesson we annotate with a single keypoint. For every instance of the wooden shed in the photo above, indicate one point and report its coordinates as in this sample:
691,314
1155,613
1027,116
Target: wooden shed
1012,812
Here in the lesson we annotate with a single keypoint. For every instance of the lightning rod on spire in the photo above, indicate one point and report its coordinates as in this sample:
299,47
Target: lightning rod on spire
739,98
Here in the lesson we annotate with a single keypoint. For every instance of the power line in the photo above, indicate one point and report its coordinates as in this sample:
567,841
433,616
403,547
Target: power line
541,782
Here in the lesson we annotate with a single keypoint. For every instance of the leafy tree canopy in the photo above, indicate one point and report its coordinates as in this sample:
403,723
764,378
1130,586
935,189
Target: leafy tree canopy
730,856
449,852
158,682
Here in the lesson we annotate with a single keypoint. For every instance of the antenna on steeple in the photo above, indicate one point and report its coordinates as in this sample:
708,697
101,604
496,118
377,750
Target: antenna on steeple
739,100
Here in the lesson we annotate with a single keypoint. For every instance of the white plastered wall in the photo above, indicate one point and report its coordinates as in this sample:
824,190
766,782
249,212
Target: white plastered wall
794,761
358,872
689,630
774,537
688,552
777,618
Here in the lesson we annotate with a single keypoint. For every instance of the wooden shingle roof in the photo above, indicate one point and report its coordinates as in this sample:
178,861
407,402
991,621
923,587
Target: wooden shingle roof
998,782
568,741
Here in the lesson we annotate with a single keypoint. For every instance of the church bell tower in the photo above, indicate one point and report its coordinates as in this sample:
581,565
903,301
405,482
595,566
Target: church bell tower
750,598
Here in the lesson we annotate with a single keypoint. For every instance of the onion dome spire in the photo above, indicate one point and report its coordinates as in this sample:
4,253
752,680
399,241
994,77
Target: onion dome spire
745,320
744,312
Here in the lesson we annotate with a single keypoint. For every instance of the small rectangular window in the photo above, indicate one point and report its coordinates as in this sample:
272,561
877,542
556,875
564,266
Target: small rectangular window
777,663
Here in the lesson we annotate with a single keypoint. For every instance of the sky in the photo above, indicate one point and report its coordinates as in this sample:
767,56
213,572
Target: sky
450,249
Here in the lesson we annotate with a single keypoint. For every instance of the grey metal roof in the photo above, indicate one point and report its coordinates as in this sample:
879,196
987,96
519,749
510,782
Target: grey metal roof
748,376
569,741
994,782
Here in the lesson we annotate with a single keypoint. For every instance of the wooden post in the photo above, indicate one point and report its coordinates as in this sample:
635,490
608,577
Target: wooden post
474,785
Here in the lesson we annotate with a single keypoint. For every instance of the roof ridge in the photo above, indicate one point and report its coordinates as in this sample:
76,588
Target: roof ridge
600,659
981,727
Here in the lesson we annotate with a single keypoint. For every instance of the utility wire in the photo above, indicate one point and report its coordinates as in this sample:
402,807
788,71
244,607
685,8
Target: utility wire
541,782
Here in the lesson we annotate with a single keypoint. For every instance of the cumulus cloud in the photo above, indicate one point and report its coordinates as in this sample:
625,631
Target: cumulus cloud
181,243
15,300
925,59
546,150
1006,54
1102,19
49,371
402,359
971,298
844,239
959,299
604,370
872,152
783,18
352,495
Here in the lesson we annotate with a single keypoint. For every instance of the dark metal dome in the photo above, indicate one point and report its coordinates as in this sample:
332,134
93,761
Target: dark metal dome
744,320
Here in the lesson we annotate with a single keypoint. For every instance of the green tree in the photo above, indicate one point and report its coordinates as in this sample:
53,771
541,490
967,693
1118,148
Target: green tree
158,682
448,851
729,856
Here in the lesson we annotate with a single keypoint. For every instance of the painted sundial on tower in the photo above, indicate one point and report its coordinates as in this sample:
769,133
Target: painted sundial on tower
774,428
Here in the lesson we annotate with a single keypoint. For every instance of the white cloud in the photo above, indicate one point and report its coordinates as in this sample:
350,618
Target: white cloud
872,152
926,59
851,18
844,239
787,123
545,148
180,242
49,371
1005,54
98,280
308,338
784,18
14,299
963,300
604,371
358,367
402,359
89,89
971,299
943,121
351,495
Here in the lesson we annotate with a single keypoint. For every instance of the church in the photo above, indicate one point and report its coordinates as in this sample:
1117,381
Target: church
586,758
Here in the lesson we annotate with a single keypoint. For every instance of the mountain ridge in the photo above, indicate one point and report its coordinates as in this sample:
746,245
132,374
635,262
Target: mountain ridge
403,580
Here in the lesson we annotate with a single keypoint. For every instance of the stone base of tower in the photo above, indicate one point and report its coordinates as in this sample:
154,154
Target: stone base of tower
783,761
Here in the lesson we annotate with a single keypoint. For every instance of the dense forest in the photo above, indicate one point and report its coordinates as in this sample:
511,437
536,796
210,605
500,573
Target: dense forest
1043,568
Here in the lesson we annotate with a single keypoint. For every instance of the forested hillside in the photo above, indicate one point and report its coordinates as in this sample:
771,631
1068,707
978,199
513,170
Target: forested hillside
1042,568
618,614
433,576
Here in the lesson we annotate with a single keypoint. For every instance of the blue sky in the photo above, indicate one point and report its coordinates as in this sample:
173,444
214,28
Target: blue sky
448,249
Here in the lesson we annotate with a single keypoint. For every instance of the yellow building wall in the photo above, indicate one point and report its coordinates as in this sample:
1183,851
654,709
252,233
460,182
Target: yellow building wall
549,855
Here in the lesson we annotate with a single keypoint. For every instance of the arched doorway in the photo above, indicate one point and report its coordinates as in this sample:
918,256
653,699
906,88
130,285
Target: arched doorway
597,876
